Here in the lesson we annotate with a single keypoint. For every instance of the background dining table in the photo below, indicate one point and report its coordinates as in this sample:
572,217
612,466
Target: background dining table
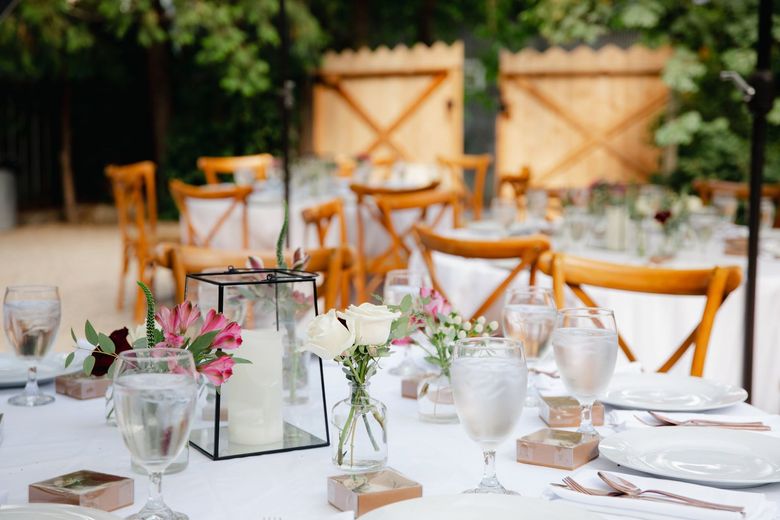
70,435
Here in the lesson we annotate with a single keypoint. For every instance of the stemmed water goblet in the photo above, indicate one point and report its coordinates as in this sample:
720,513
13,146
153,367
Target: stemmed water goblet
489,384
585,345
398,284
155,391
504,211
529,316
31,317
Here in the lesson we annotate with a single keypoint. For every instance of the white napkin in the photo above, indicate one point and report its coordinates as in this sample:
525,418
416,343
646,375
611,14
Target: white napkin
620,420
757,507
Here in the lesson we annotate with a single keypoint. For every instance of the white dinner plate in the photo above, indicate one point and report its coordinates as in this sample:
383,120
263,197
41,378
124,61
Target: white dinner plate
712,456
469,507
670,393
13,371
53,512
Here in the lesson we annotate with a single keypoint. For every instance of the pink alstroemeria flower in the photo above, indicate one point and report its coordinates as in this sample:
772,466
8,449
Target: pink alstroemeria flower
402,342
188,315
228,338
219,370
214,321
437,304
168,320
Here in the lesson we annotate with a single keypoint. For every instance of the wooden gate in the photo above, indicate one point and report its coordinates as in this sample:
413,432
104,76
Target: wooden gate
580,116
401,102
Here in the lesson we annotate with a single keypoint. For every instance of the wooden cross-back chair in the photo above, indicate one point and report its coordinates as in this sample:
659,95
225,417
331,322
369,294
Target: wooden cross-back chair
332,263
212,167
458,166
239,194
515,182
322,217
525,249
134,190
706,188
431,206
715,284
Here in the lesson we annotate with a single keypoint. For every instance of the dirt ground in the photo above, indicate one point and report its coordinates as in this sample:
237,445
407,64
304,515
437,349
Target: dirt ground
84,262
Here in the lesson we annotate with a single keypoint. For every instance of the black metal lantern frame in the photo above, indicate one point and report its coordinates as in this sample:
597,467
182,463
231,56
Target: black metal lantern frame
267,303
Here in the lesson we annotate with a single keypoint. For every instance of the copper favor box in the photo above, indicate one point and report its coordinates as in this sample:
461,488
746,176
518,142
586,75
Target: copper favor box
363,492
409,387
557,449
80,386
85,488
564,412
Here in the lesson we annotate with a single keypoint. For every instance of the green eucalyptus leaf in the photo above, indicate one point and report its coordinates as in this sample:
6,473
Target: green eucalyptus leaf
140,343
89,332
73,335
111,370
106,345
406,303
69,359
89,364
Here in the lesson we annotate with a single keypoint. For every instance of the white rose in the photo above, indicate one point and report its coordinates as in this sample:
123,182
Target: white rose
327,337
694,203
467,325
493,325
370,323
478,328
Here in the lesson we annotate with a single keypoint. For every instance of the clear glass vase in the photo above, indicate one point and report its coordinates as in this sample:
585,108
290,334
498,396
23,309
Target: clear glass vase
434,399
360,427
110,415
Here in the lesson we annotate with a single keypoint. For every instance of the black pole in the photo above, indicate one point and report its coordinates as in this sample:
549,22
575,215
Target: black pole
759,105
286,95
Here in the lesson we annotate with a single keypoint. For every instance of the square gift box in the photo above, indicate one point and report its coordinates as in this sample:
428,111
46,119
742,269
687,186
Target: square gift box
363,492
84,488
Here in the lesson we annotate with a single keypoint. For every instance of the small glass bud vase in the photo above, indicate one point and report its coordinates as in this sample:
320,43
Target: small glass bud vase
109,413
360,424
434,399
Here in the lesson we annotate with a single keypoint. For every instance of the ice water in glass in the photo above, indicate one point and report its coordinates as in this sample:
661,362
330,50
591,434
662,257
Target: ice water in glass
489,385
31,319
585,345
398,284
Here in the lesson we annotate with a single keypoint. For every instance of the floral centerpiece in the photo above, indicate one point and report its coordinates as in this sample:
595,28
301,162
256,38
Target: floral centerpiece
358,339
209,338
440,327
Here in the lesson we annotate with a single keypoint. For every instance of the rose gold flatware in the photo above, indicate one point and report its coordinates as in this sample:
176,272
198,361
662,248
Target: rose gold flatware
735,425
629,488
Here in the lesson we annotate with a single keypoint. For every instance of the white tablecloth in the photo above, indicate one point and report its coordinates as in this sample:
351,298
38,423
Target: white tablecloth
654,325
70,435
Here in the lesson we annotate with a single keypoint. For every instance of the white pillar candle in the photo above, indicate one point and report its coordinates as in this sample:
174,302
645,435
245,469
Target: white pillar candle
254,393
616,227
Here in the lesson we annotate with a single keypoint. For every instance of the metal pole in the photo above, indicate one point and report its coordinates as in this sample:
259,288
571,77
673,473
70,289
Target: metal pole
759,105
286,95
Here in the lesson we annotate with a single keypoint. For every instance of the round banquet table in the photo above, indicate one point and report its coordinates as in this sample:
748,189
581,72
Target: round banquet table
654,325
266,213
70,435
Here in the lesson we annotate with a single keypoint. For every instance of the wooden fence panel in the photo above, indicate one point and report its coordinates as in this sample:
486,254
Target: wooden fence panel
403,102
578,116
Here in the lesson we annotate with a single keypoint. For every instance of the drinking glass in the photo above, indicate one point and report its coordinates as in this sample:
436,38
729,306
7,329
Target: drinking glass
576,223
767,213
31,317
489,378
536,202
399,283
585,345
726,204
529,316
155,393
504,212
703,224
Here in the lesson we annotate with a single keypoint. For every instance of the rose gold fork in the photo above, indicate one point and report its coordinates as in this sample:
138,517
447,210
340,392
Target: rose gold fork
668,421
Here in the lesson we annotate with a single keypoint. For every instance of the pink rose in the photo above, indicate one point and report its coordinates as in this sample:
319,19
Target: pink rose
229,337
437,304
219,370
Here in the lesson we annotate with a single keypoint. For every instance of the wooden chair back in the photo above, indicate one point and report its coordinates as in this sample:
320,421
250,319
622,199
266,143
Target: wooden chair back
525,249
213,167
431,206
715,284
135,196
332,263
706,188
321,217
182,191
458,166
514,183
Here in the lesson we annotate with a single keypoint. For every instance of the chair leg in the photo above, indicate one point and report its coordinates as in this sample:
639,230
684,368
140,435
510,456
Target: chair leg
120,303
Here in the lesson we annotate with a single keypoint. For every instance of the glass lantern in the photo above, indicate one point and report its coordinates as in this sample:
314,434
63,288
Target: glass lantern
275,401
